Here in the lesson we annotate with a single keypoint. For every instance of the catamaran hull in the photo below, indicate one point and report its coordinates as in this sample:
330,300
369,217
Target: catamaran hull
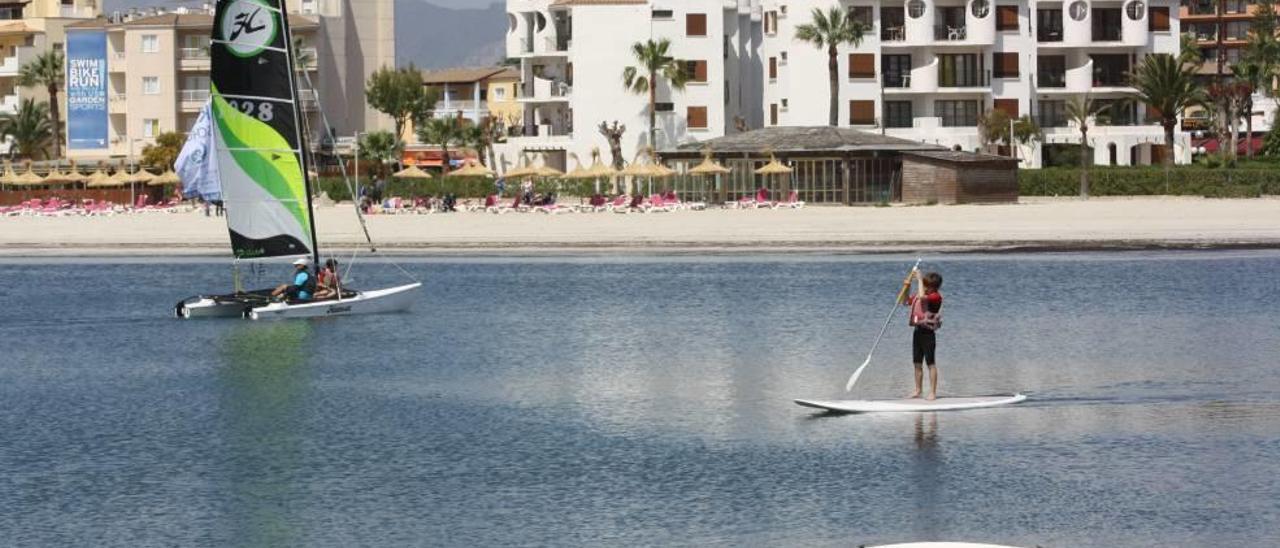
205,307
381,301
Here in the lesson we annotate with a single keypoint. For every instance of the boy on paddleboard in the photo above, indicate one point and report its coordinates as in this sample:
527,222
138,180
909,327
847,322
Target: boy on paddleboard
926,318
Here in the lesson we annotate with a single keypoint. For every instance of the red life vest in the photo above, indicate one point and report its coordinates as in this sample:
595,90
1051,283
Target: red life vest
921,316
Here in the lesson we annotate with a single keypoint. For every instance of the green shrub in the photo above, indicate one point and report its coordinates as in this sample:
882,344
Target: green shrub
1255,179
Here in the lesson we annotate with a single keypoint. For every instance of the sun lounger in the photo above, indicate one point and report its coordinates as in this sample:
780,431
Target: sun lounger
792,201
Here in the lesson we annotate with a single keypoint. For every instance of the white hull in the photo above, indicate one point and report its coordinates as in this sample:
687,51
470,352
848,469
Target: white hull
394,299
913,405
209,308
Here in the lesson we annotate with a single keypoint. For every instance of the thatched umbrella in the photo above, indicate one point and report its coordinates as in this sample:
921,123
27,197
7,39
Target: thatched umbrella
472,169
710,168
774,167
29,178
9,178
412,172
100,179
164,179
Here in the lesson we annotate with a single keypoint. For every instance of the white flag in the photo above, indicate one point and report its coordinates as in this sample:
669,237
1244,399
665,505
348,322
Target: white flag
196,165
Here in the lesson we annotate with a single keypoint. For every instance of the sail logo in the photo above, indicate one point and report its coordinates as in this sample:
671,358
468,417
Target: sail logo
248,27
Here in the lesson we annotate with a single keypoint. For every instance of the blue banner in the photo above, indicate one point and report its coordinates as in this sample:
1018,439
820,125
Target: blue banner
87,90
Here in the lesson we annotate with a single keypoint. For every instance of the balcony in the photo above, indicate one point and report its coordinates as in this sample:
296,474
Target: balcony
11,65
196,59
307,58
1051,79
544,89
557,44
1049,34
117,62
972,79
117,103
194,53
9,104
897,80
893,34
308,99
948,33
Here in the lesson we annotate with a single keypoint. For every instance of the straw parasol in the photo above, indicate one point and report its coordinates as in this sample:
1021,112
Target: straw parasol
166,178
122,176
412,172
9,178
472,169
56,177
710,168
28,178
774,167
578,172
145,177
100,179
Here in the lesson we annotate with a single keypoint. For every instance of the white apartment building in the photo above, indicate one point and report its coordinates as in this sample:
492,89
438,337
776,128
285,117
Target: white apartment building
572,55
930,68
927,70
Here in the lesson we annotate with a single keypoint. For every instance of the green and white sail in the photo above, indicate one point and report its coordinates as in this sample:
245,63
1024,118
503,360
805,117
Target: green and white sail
258,145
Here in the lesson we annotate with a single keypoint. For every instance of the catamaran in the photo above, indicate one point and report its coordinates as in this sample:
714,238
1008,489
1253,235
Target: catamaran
259,154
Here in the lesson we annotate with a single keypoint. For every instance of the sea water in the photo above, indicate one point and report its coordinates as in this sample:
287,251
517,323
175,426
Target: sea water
645,401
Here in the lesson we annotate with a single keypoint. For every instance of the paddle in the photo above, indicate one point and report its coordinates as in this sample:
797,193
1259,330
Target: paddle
901,293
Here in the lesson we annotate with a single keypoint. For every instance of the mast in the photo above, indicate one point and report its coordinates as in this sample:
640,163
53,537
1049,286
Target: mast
303,147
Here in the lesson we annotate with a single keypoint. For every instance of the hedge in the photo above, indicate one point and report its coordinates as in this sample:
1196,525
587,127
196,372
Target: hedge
1247,182
462,187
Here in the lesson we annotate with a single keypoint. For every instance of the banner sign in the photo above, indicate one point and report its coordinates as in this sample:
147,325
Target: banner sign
87,90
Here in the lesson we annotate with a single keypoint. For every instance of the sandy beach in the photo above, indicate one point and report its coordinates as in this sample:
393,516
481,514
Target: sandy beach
1033,224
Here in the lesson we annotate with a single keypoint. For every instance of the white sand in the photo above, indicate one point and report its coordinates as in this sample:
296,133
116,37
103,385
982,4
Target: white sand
1035,223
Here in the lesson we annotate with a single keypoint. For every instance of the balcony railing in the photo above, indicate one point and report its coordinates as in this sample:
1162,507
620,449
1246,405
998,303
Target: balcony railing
897,80
195,95
1106,34
1051,119
949,33
976,79
1048,34
893,34
1051,79
195,54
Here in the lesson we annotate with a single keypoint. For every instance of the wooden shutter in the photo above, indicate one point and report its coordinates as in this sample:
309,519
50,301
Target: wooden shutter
1158,18
862,65
773,68
697,117
696,71
1006,65
1009,106
862,113
1006,17
695,24
773,114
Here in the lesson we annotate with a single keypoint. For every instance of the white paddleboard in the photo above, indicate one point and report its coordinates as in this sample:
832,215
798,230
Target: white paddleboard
913,405
941,545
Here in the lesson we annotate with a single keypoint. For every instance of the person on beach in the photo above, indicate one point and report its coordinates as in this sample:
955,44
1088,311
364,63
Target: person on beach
303,286
327,284
926,318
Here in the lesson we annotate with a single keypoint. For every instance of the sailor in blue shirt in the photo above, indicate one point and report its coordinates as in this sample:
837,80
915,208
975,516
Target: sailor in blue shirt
304,283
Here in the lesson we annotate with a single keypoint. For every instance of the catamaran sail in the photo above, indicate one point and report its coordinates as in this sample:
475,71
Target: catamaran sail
258,144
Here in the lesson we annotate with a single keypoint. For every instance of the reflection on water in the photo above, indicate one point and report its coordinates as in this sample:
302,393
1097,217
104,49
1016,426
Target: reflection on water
261,383
647,402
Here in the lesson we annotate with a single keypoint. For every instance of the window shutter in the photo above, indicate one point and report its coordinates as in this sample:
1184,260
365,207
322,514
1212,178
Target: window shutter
695,24
697,117
1009,106
1006,65
773,68
862,113
862,65
1006,17
1158,18
773,114
700,71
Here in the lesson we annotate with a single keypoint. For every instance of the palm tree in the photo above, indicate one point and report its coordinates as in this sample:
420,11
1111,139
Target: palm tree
30,128
47,70
1253,74
443,131
830,30
380,147
1080,109
652,64
1168,86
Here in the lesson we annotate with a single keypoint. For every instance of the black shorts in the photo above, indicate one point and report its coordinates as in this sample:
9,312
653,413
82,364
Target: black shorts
924,346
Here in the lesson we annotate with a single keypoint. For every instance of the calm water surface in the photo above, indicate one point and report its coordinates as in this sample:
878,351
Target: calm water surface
645,402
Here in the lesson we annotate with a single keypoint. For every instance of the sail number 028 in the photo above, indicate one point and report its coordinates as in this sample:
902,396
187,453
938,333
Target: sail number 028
262,110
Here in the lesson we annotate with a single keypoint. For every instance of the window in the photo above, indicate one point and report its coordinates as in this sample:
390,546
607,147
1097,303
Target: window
773,114
980,8
770,22
1006,65
697,117
1110,70
1079,10
695,24
957,70
150,127
897,70
893,24
1159,20
150,43
898,114
773,68
1009,106
915,8
1106,25
500,93
664,107
862,113
150,85
697,71
957,113
1053,114
861,14
1135,10
1049,25
862,65
484,94
664,14
1237,30
1051,71
1006,17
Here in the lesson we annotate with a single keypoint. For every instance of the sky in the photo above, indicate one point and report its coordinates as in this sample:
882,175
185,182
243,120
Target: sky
109,5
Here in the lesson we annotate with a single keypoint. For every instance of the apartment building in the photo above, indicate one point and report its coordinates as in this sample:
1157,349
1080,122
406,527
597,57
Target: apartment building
27,29
1221,36
572,55
929,69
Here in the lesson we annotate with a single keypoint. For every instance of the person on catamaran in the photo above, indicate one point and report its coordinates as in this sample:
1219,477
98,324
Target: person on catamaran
327,284
303,286
926,318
